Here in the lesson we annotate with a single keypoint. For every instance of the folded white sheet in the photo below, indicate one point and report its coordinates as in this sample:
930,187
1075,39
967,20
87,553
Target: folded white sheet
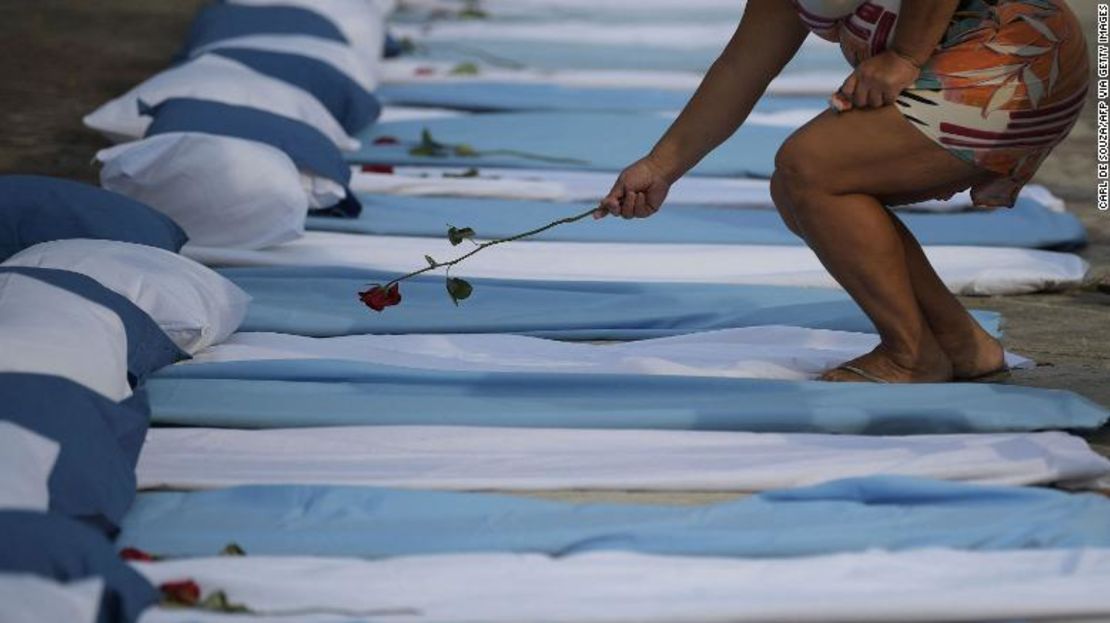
29,598
966,270
417,184
922,585
406,113
402,70
662,35
471,458
764,352
565,185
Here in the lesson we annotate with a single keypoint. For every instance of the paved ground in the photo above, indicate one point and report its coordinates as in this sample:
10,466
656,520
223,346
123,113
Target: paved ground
59,59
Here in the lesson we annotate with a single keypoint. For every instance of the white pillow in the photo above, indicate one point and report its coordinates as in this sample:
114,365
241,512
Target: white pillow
216,79
223,191
48,330
362,22
193,304
30,598
26,460
339,55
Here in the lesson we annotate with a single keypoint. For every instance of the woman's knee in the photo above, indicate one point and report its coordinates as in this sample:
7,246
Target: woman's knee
800,169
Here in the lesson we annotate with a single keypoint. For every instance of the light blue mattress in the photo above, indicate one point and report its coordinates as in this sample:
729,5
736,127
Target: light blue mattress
596,141
1029,224
324,392
321,302
893,513
488,96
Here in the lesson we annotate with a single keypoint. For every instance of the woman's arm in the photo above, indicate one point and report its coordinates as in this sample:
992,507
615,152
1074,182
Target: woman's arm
768,36
878,80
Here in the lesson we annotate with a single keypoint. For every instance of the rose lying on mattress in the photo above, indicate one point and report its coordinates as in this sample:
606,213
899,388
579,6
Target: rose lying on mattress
379,296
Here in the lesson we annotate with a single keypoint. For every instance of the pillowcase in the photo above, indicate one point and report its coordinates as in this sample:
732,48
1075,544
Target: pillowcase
36,209
362,22
47,330
59,548
94,477
26,461
309,149
194,305
148,347
224,21
352,105
215,79
226,192
30,599
338,55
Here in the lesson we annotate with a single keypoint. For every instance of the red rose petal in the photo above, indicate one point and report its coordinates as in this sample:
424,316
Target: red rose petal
184,592
135,554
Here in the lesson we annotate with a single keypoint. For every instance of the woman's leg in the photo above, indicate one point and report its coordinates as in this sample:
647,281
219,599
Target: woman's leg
832,177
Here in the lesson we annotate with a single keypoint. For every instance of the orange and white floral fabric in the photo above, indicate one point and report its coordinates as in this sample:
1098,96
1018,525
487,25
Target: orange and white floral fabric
1003,88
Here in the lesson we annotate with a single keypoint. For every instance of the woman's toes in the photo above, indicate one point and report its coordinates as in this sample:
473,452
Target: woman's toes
879,366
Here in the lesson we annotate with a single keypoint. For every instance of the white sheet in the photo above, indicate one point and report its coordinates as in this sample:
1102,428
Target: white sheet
473,458
406,113
922,585
966,270
26,461
402,70
32,599
764,352
711,36
560,185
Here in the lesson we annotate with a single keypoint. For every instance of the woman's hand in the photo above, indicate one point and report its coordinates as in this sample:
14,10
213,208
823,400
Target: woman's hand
876,82
638,193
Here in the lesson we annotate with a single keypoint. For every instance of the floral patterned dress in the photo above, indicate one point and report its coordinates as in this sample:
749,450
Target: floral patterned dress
1005,85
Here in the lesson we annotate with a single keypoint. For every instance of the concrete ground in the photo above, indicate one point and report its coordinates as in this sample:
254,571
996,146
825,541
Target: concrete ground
59,59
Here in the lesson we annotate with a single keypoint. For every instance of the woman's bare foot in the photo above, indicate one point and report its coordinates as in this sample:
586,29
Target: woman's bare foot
973,353
932,366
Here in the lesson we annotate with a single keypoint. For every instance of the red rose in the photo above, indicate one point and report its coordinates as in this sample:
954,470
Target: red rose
183,593
378,298
378,168
136,555
386,140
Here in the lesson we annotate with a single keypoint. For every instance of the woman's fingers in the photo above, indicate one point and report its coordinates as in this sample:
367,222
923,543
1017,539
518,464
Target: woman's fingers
628,204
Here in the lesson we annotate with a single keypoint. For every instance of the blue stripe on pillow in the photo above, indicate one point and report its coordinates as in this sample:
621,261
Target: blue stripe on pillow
36,209
225,21
56,547
308,147
94,477
353,106
148,347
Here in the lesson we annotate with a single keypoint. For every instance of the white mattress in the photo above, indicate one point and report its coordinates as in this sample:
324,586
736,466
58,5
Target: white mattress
966,270
474,458
402,71
764,352
922,585
566,185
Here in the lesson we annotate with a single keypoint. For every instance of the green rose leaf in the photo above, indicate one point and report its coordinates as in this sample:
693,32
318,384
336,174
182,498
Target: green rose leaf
218,602
233,549
463,150
459,289
465,69
429,147
457,235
